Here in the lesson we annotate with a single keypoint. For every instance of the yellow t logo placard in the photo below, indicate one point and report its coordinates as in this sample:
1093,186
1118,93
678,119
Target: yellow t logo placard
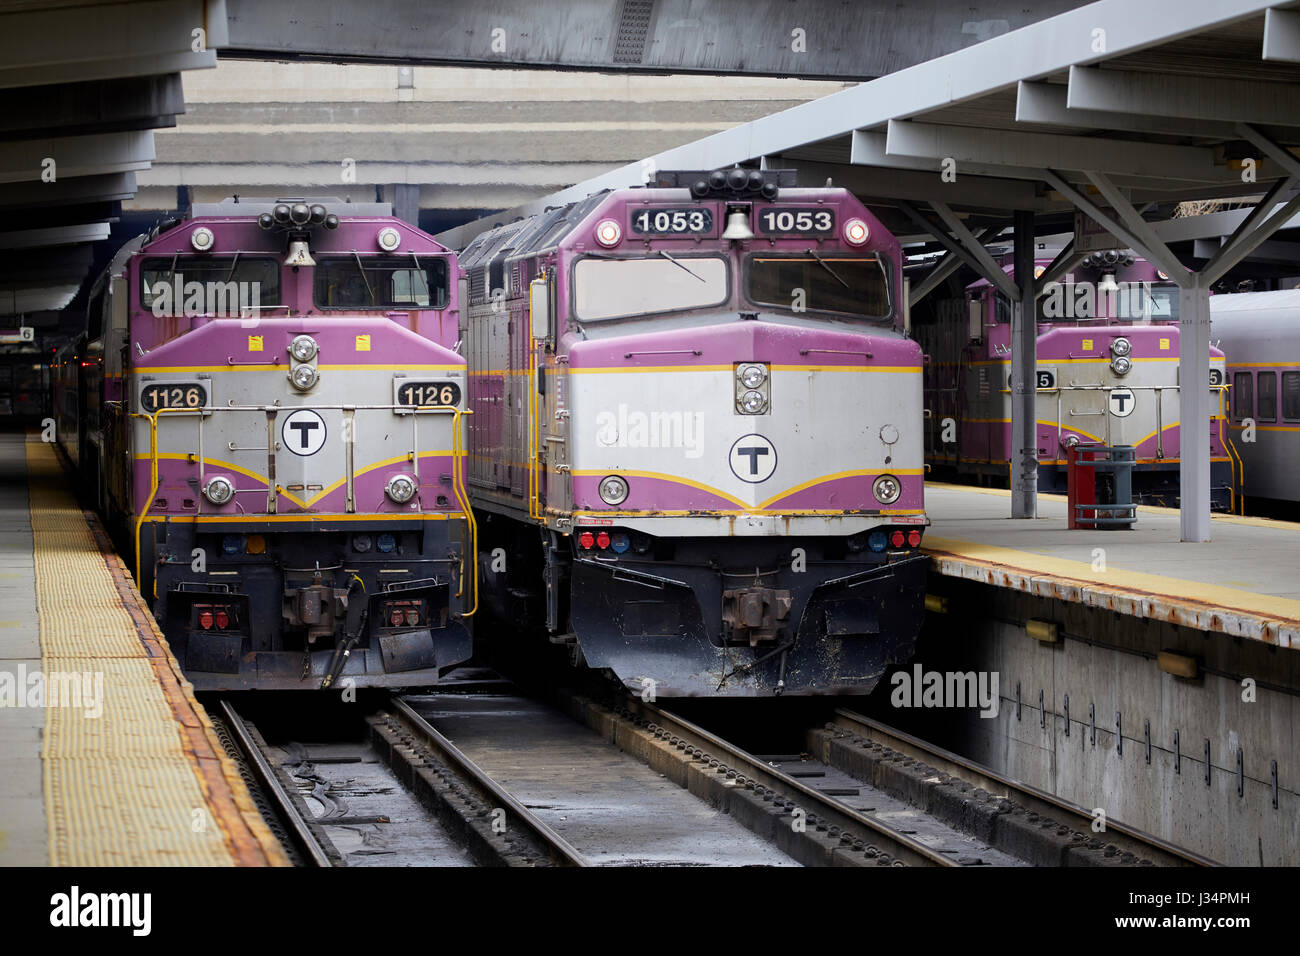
254,343
363,343
1087,345
1164,345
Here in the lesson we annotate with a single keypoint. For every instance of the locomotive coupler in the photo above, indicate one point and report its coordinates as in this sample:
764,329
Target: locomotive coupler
755,614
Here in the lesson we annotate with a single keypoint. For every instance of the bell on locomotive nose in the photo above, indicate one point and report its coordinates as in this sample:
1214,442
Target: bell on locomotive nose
737,225
299,254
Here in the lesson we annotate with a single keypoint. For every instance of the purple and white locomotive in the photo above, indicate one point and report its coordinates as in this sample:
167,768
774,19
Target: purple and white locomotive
272,419
697,434
1107,373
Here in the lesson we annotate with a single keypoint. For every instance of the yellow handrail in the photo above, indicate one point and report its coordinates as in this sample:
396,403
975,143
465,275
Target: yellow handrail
470,554
457,482
153,489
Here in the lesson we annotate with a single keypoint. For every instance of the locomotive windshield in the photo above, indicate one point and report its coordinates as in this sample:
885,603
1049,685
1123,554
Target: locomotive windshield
855,285
617,288
381,282
218,284
1147,300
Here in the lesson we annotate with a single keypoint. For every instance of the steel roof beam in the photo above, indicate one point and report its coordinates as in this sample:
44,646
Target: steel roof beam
1065,260
66,191
1282,35
1152,245
983,263
105,41
1252,232
1038,50
945,267
995,147
1115,226
1046,103
1188,97
1279,154
25,160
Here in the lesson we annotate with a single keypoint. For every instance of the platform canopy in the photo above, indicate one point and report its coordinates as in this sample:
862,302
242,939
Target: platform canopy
1116,109
83,84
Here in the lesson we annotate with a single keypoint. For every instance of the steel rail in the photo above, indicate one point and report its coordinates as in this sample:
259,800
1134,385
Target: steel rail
560,849
1129,838
898,844
275,790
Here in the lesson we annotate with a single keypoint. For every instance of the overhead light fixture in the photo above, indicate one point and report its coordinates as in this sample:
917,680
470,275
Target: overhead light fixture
202,239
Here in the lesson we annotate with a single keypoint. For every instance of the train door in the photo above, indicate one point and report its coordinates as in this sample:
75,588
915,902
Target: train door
551,428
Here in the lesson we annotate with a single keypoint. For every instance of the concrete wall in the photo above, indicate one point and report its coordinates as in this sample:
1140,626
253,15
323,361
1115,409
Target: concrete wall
470,139
1108,660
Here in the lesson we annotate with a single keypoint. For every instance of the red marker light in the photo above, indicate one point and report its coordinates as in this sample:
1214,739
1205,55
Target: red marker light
223,620
395,617
205,620
897,539
587,539
602,540
913,538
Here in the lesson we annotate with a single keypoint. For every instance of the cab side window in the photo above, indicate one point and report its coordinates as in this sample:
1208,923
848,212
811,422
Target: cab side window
1243,395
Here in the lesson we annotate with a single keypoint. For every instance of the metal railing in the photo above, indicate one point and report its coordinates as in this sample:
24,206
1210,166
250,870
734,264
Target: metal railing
272,486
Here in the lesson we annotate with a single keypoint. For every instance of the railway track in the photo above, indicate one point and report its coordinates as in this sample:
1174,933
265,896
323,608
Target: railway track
583,781
1030,824
394,793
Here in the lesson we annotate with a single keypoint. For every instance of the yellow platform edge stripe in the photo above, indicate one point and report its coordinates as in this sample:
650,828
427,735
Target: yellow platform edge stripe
115,788
1137,584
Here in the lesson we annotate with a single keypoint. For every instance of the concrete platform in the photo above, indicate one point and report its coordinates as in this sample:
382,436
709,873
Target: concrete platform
1243,583
106,758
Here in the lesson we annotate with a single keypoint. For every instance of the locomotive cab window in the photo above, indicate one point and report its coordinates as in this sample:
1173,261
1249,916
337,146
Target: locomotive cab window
1146,300
1291,396
854,285
203,285
1266,400
381,282
620,288
1243,395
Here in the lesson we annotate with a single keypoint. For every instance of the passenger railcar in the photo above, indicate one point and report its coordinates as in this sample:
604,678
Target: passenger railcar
1107,373
696,445
1260,333
266,403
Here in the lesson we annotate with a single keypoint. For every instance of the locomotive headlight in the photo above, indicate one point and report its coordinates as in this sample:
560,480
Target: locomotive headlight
304,377
401,488
613,490
202,239
218,490
1120,365
886,489
389,239
753,402
303,348
752,376
1121,346
608,232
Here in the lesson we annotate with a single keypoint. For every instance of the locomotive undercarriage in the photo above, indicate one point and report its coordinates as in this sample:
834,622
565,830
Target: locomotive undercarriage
248,606
718,617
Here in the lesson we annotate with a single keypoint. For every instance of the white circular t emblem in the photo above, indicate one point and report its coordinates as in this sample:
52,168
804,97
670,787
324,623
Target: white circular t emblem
1122,402
303,432
753,459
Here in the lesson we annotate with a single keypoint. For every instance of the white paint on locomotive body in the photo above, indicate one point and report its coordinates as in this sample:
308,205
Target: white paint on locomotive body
809,425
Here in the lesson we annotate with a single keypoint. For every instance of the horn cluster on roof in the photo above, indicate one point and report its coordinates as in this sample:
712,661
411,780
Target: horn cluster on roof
735,183
297,215
1108,259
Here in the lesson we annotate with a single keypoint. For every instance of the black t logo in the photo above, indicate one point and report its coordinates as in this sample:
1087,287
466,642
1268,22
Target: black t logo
753,454
304,430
